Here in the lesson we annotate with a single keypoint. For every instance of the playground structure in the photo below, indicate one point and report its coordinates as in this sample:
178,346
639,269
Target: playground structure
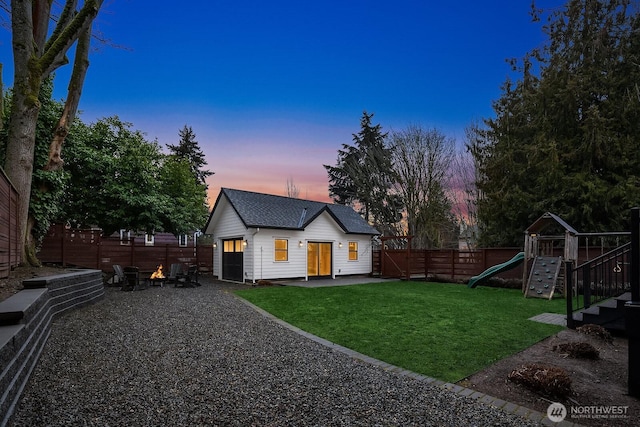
496,269
603,290
549,244
546,275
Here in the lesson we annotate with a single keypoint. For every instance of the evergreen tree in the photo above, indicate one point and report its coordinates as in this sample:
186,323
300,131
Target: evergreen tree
188,149
363,176
189,207
564,136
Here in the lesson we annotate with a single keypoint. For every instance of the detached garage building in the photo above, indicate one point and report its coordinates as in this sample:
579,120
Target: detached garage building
262,236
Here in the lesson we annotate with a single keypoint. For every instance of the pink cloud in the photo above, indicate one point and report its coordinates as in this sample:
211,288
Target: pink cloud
266,168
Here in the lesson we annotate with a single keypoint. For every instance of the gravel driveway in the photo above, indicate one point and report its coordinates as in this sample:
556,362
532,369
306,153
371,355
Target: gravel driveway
189,357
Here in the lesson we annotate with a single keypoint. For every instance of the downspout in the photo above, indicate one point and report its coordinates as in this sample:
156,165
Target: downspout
253,266
300,222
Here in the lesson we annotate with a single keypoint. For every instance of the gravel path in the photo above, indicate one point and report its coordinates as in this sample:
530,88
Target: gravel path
184,357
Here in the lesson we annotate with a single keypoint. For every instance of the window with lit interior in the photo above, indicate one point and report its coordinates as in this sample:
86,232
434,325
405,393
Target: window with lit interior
353,251
281,249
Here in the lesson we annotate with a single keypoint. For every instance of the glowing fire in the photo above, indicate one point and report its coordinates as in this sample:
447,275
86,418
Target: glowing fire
158,273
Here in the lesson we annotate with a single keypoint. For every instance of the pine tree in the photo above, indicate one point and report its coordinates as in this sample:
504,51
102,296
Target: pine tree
564,136
188,149
363,175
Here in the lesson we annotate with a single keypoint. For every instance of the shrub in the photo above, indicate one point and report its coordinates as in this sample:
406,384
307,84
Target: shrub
263,282
543,379
596,331
578,350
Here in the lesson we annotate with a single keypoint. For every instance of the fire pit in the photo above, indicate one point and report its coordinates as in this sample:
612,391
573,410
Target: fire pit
157,278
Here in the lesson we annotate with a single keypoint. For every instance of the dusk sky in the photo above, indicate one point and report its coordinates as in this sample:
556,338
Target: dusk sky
273,89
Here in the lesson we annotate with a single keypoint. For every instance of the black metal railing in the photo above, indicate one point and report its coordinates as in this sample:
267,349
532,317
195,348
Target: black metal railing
598,279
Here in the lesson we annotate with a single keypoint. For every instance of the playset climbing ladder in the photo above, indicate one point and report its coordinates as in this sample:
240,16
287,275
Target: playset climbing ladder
543,277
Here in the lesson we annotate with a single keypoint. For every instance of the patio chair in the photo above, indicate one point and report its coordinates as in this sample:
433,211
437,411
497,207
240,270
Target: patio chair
118,274
184,279
191,277
175,273
132,279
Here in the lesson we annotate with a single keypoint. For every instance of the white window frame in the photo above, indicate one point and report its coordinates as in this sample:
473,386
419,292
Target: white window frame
349,251
149,239
275,250
125,237
183,240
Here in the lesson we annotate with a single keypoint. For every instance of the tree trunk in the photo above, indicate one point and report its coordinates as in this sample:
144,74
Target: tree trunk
1,100
80,66
30,257
34,60
19,160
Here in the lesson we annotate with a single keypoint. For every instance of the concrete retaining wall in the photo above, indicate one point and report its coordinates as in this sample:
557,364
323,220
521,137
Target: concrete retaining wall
25,324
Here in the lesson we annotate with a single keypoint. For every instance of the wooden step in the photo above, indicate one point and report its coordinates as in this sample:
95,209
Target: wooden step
601,314
609,314
623,299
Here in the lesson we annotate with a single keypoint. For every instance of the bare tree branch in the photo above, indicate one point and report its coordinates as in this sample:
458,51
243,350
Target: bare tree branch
54,56
292,190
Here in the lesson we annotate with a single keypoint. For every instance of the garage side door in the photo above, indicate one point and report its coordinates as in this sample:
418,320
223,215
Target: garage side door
232,260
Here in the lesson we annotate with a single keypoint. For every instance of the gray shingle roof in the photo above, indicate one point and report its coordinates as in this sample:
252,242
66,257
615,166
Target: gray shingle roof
269,211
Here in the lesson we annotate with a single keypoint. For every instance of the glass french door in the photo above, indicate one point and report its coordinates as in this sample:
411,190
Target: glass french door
319,259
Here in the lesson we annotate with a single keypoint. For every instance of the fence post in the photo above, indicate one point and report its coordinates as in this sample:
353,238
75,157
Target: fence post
382,257
484,260
99,243
568,292
453,264
166,255
425,256
195,249
133,251
408,268
63,238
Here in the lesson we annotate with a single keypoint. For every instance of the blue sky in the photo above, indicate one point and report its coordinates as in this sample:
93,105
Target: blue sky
273,89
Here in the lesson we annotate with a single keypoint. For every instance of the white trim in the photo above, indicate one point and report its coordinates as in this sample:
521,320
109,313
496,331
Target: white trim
275,250
125,237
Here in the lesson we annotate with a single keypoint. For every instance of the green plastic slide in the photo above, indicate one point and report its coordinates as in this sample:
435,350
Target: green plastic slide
496,269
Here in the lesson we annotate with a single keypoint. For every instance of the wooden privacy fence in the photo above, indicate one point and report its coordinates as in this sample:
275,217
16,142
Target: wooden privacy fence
449,264
89,249
457,264
9,254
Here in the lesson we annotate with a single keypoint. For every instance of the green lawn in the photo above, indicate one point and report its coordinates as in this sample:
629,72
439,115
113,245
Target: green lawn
445,331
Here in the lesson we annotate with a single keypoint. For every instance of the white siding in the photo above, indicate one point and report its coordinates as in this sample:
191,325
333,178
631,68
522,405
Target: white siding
325,229
322,229
264,255
259,254
228,226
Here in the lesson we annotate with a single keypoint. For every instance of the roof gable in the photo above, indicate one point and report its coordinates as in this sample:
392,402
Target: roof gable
549,220
258,210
